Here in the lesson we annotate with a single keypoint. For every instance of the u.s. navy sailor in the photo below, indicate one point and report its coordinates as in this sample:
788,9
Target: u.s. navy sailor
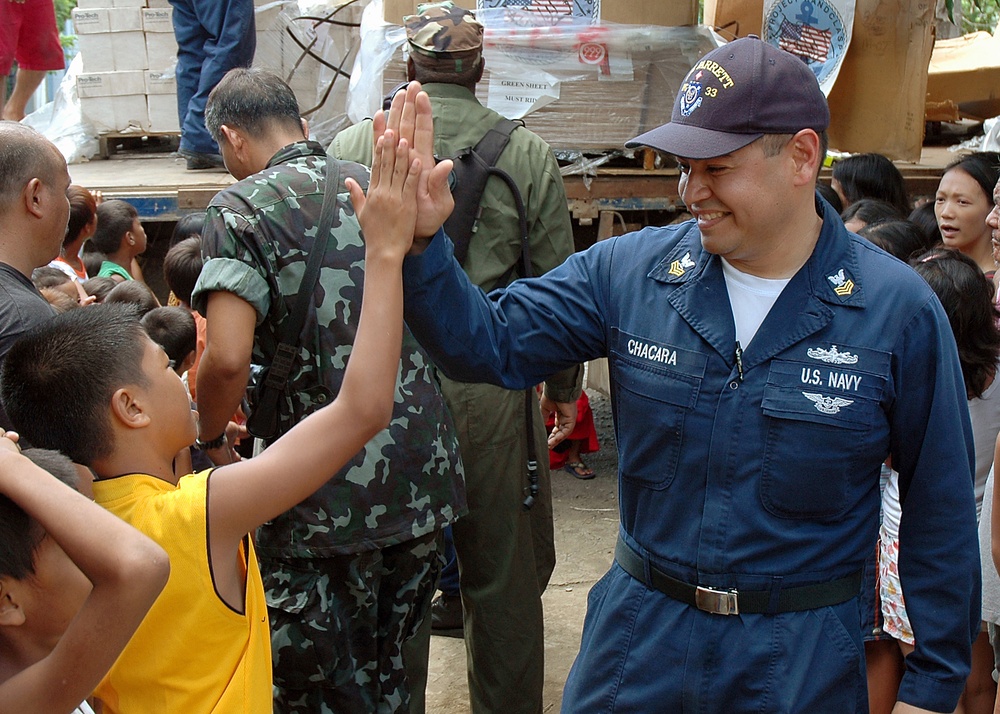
764,363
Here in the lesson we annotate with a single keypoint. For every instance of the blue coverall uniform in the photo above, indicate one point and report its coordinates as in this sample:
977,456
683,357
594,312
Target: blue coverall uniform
213,37
755,474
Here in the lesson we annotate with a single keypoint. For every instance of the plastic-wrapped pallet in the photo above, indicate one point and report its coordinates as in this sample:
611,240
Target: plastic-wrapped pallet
312,46
578,85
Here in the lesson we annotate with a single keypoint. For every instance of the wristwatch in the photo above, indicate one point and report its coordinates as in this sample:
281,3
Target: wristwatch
211,443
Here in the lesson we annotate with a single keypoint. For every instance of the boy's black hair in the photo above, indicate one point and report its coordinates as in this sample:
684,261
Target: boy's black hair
58,378
923,217
48,277
114,220
92,260
133,292
871,210
902,239
173,329
189,225
181,268
827,192
19,533
99,287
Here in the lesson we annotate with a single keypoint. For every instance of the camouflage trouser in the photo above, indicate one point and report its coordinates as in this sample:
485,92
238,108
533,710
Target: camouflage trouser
337,626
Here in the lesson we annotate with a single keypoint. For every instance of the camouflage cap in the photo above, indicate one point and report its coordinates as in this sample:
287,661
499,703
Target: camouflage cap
442,31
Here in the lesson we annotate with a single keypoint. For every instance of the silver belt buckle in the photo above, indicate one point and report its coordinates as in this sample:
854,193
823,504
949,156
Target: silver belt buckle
717,602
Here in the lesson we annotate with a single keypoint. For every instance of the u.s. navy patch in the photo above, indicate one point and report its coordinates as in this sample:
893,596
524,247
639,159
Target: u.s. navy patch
678,267
842,283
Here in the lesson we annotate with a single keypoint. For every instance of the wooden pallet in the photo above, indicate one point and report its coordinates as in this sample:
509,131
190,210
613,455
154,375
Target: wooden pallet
138,144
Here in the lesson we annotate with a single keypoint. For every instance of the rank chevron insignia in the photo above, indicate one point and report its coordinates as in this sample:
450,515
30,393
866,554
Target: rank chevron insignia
678,267
841,285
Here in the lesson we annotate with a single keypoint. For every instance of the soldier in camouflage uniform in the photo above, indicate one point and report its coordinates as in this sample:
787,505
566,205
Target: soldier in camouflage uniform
506,553
349,573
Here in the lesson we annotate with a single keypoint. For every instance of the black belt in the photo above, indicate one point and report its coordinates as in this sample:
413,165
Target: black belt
736,602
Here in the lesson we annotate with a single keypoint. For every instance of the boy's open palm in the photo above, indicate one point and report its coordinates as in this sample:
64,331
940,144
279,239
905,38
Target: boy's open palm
388,212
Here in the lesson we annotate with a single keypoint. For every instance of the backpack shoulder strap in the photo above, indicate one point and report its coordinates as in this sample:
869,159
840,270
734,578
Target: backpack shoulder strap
469,177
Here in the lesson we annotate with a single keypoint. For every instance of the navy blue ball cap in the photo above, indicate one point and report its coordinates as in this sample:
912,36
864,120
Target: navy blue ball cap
736,94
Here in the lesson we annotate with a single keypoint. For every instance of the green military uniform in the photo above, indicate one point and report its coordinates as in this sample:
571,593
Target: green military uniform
505,553
349,572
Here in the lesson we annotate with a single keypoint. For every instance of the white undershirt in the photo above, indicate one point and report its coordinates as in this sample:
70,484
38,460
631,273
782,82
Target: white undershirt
751,298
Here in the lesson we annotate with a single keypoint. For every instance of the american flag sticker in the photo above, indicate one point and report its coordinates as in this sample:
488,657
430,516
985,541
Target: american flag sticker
816,31
804,41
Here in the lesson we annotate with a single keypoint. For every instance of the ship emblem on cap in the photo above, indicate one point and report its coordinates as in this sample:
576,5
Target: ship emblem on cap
690,97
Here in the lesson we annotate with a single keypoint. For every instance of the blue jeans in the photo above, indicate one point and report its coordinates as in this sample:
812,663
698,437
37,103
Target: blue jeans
213,36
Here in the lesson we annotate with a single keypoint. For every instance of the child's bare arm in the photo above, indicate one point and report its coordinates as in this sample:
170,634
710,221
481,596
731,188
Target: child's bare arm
248,493
127,570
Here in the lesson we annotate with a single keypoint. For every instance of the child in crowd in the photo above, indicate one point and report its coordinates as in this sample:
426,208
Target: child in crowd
923,216
866,211
181,268
870,176
205,646
120,236
92,261
901,239
173,329
135,293
98,288
75,582
62,291
81,227
189,227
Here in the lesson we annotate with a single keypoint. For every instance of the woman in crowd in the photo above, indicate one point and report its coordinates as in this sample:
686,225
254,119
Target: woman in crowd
963,200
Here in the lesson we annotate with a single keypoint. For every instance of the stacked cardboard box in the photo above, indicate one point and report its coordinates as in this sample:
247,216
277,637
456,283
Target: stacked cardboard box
606,85
120,43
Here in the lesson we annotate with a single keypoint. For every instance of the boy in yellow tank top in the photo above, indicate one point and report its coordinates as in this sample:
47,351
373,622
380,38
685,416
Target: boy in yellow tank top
204,646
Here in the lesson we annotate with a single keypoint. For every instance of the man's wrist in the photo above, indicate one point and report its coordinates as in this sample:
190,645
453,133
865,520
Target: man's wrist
210,444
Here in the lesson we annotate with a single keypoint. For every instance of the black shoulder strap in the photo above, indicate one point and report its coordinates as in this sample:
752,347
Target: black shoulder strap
471,172
288,347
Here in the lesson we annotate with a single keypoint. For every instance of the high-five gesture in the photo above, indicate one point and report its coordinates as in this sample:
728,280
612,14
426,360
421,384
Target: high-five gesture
410,118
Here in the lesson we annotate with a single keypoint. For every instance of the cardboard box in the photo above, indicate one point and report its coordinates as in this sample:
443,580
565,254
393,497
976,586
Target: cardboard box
88,4
112,51
599,106
161,50
160,82
107,19
158,19
627,12
158,3
162,109
110,84
736,18
877,103
121,113
965,71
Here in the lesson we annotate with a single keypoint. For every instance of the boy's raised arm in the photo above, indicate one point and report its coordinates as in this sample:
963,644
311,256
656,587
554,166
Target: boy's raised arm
246,494
127,570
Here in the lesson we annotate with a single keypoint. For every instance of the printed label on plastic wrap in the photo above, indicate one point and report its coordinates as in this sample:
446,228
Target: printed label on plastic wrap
515,96
544,12
817,31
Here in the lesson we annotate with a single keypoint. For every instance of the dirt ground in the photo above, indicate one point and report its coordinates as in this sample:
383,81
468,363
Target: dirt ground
586,524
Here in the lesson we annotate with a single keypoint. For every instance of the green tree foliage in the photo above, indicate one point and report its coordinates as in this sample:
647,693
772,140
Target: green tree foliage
63,10
976,14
